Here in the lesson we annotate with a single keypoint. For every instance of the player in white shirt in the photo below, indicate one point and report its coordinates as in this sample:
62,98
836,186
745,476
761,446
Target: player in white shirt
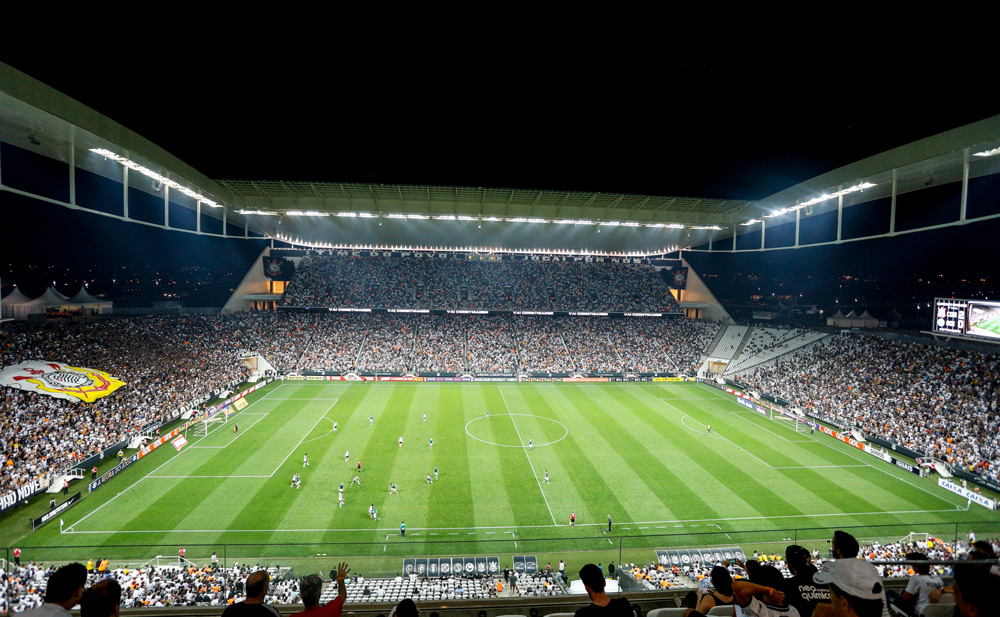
347,455
400,441
296,481
425,417
429,481
305,460
334,427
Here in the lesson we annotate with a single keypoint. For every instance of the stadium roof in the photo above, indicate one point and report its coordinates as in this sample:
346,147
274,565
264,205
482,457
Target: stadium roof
37,118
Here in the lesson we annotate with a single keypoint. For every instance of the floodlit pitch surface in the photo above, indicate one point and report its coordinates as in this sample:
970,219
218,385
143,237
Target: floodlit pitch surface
639,452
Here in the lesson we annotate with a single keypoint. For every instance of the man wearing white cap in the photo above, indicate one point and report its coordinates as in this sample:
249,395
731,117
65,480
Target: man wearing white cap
855,589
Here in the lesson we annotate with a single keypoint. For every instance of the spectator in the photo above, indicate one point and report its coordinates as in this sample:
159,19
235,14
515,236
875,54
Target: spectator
600,604
101,600
62,592
254,604
855,589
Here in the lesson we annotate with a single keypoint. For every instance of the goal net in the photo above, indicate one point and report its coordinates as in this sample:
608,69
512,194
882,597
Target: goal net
794,422
205,423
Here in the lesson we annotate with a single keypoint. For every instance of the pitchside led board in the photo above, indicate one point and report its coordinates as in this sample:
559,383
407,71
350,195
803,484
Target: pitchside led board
967,318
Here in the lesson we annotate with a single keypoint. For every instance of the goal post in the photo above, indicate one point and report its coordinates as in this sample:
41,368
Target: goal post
204,425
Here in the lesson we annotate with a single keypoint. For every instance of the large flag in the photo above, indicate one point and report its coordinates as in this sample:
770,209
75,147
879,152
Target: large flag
278,268
72,383
678,278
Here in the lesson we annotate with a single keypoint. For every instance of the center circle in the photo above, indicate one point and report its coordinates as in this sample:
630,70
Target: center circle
512,415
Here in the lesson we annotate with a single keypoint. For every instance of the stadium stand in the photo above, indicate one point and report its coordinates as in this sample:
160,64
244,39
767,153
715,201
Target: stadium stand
935,400
422,282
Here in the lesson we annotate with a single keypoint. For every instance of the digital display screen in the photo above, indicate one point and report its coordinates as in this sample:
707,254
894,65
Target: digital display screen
967,317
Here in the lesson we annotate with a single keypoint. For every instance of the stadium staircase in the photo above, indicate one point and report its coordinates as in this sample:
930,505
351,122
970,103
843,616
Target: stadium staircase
68,476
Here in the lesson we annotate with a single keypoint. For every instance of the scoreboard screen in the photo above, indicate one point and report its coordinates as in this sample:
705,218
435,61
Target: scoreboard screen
967,317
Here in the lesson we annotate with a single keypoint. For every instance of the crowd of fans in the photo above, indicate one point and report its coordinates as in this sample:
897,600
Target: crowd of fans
149,586
940,401
426,281
166,363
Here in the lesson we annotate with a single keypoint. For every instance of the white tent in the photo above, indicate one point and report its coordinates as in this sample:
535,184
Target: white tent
50,299
835,319
89,303
11,299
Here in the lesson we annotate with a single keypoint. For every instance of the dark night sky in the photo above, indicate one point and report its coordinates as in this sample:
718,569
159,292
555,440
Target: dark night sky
637,118
575,109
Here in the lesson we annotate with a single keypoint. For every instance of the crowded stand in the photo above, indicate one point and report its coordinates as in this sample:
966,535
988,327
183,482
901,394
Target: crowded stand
439,344
491,344
422,281
943,402
655,345
590,345
166,363
540,345
335,342
149,586
388,345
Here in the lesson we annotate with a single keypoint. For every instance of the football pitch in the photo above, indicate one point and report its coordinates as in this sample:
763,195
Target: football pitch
641,453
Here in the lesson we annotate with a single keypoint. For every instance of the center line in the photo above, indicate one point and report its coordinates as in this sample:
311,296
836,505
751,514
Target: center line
540,489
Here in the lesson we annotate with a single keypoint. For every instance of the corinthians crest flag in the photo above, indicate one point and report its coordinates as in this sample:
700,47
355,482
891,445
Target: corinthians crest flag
72,383
278,268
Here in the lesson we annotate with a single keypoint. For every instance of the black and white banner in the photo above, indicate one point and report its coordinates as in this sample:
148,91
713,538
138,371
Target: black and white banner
669,558
54,512
453,566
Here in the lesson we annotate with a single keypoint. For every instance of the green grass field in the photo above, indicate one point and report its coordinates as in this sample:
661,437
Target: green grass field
639,452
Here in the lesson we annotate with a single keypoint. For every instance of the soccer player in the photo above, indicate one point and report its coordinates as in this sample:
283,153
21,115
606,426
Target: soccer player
359,466
392,489
609,523
347,455
432,443
429,481
572,519
296,481
371,511
236,429
341,500
709,428
435,472
425,417
402,529
371,420
546,476
341,487
357,479
531,446
487,414
305,460
334,427
400,441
